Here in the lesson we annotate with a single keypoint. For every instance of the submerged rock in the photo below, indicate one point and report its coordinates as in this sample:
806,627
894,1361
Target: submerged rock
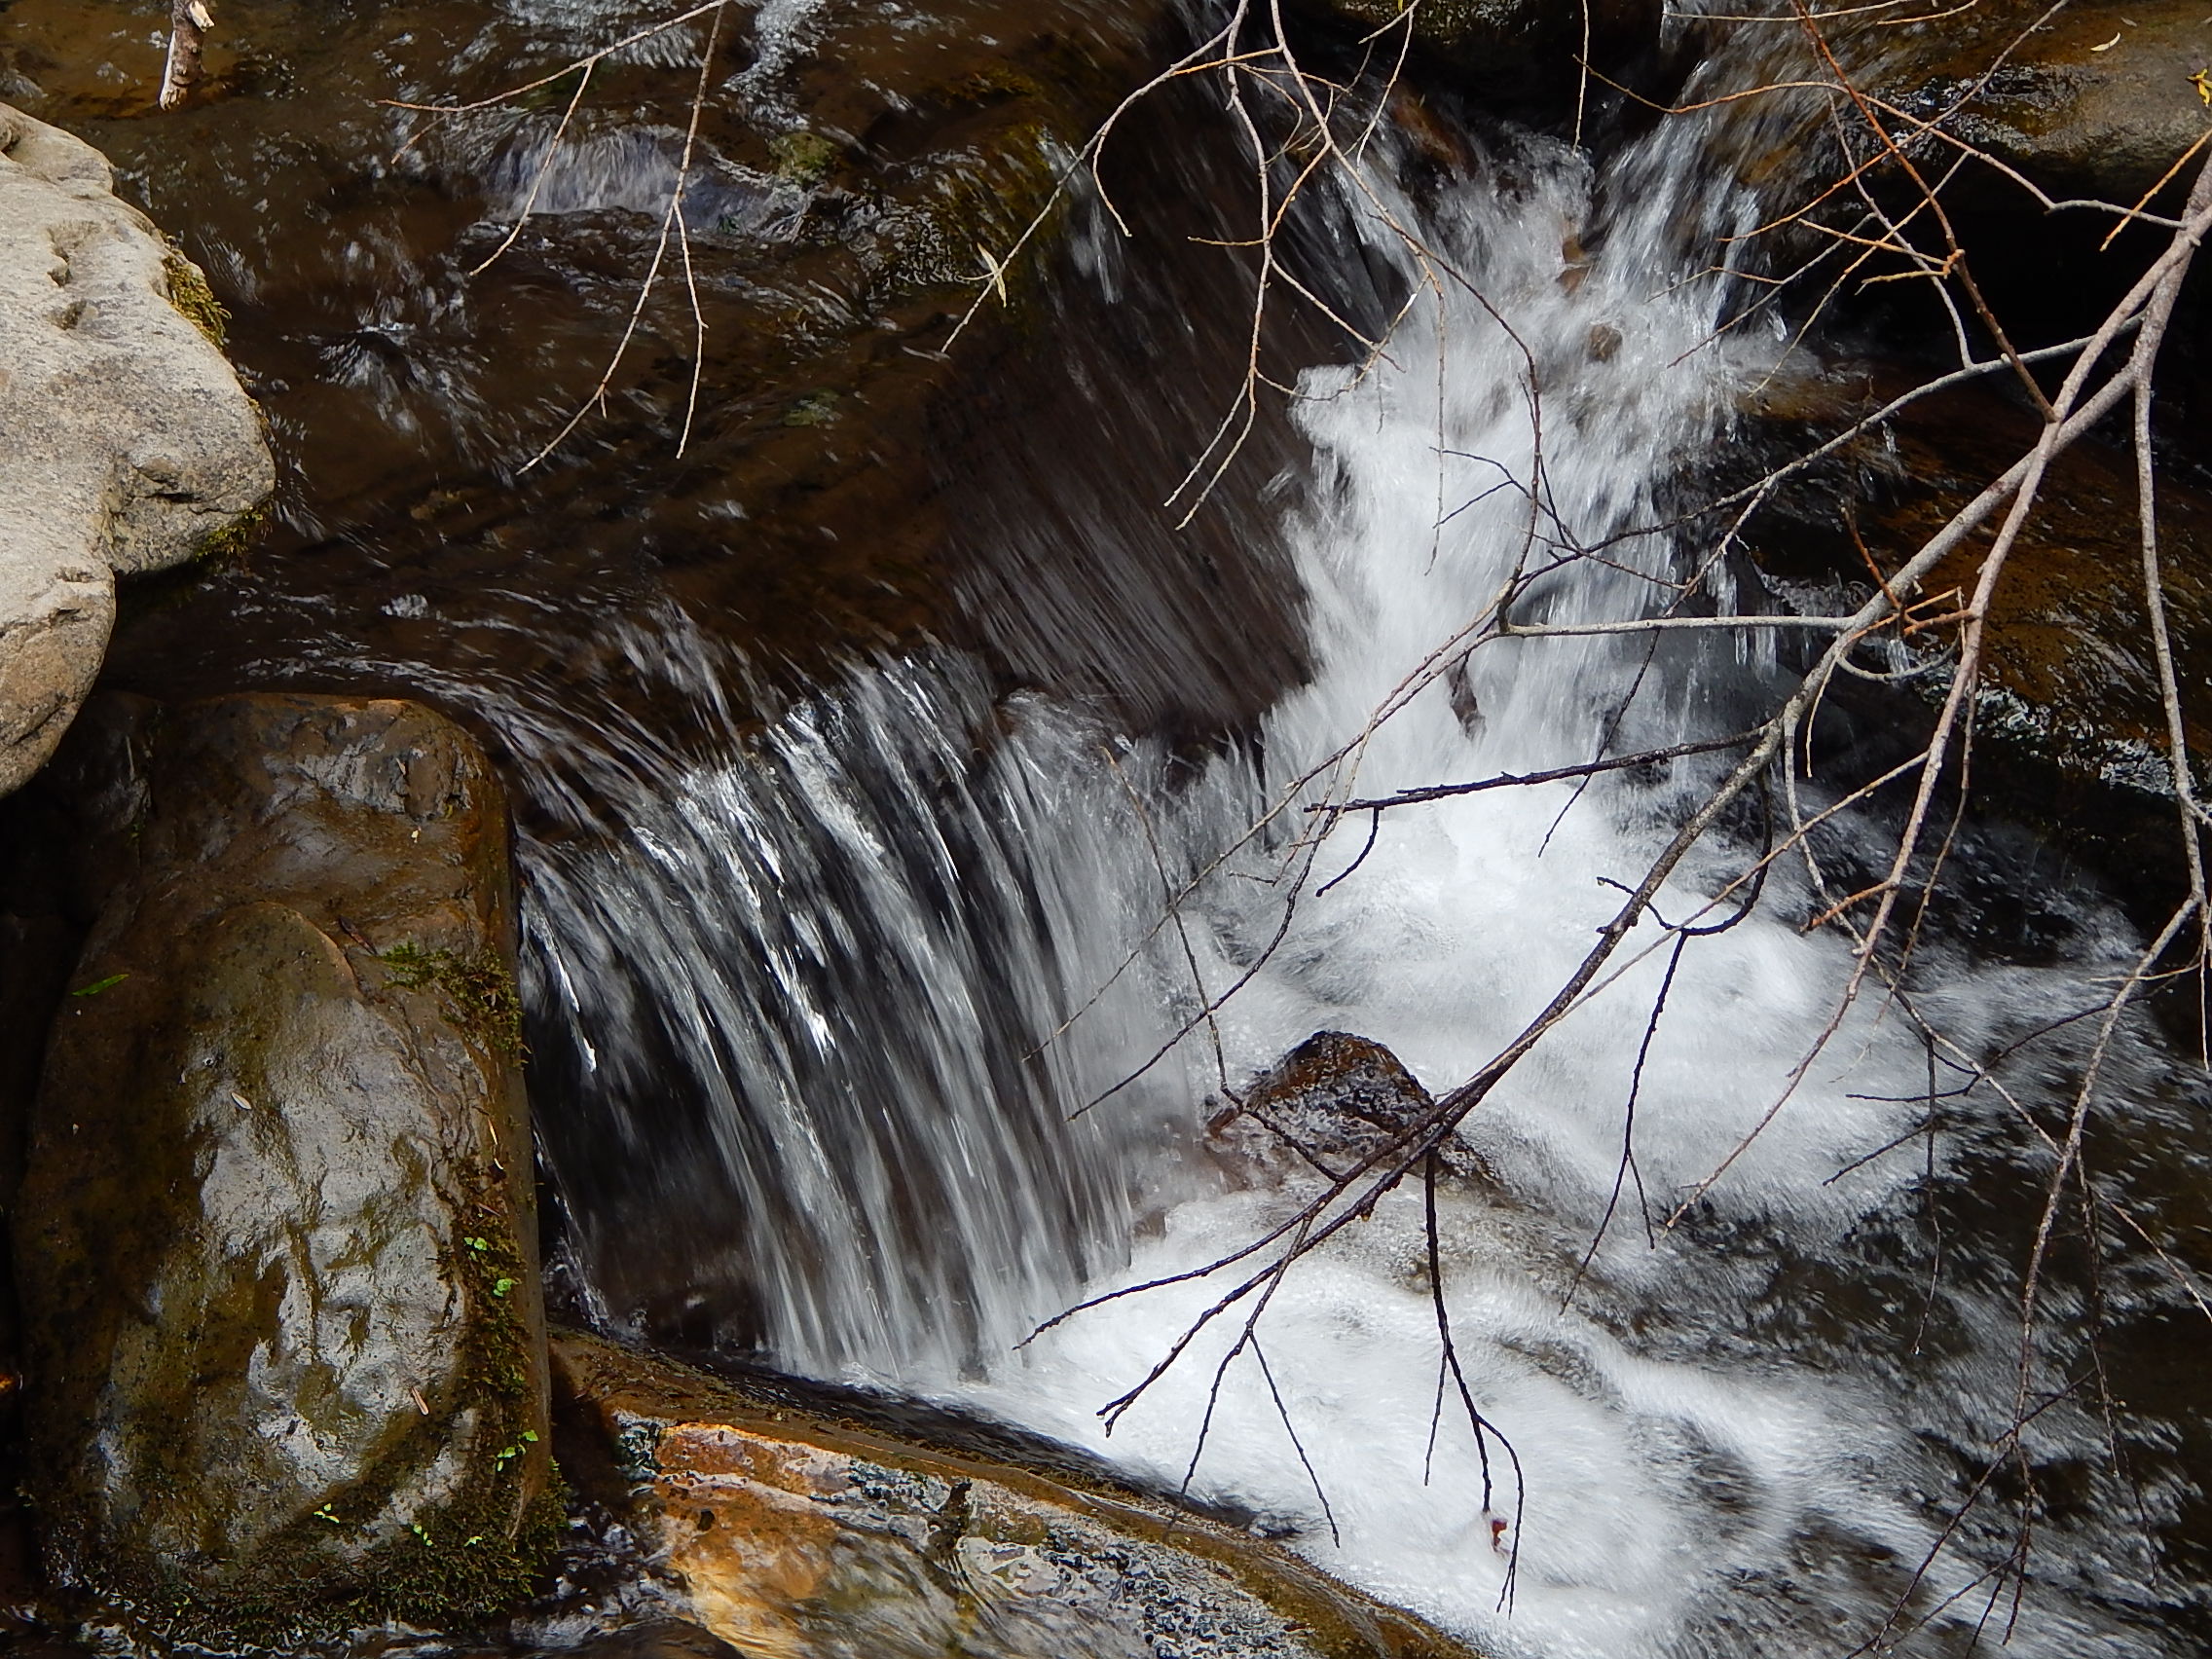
276,1242
794,1534
127,444
658,1639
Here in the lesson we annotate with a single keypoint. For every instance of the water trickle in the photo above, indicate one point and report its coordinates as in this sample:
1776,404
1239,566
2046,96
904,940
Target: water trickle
799,1006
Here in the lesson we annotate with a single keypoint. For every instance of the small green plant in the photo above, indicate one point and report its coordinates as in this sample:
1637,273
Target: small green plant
98,985
416,1526
509,1453
326,1513
226,547
477,1244
500,1287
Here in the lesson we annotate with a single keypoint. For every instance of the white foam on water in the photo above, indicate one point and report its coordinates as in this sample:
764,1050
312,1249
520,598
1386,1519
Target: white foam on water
1675,1495
852,939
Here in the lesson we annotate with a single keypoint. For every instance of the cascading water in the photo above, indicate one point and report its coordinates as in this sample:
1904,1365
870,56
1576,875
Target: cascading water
855,944
1669,1488
839,949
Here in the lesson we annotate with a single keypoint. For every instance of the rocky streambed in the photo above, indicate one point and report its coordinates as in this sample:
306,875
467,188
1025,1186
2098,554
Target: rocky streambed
281,1373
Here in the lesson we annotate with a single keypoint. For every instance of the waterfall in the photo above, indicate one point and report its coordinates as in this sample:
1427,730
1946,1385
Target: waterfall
828,1015
800,1009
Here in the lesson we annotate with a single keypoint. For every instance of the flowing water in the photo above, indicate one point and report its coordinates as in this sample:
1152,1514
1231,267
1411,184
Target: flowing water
827,966
1688,1479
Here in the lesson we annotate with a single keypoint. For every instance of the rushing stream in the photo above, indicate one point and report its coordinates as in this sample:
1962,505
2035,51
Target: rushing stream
857,946
826,970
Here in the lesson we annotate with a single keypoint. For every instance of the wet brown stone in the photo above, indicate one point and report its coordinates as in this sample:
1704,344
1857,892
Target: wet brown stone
2098,101
804,1536
276,1242
1333,1101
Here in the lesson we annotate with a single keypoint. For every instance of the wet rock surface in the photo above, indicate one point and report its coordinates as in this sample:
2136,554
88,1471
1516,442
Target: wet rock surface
2067,662
1521,51
793,1533
804,1535
127,444
2095,101
657,1638
2070,731
1331,1103
276,1239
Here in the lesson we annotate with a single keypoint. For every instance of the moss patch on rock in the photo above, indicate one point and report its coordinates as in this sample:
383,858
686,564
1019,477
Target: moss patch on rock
479,991
803,158
193,298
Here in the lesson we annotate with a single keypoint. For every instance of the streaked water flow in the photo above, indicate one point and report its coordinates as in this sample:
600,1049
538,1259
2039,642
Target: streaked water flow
852,944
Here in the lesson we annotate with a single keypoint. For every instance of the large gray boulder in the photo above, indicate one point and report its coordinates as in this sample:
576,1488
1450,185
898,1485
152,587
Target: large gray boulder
274,1242
126,442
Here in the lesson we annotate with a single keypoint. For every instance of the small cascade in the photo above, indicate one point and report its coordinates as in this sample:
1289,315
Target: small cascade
801,1000
1679,1486
835,1015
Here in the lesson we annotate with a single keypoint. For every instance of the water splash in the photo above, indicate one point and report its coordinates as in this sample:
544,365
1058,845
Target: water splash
855,936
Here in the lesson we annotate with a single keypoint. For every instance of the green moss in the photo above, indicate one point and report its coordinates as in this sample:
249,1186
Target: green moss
193,298
803,158
225,547
479,990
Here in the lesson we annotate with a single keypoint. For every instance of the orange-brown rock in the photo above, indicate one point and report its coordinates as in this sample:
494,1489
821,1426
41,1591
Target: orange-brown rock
798,1536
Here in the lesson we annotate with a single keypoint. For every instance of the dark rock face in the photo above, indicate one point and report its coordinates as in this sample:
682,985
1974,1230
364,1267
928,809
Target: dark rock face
1331,1102
1519,50
274,1242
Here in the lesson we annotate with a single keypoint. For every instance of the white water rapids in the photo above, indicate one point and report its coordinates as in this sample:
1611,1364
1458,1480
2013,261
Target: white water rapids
852,944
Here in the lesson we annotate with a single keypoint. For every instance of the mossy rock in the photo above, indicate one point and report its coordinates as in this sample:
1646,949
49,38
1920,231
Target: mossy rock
276,1240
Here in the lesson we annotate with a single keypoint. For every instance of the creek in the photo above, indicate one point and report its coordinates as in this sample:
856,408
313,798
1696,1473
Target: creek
856,750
